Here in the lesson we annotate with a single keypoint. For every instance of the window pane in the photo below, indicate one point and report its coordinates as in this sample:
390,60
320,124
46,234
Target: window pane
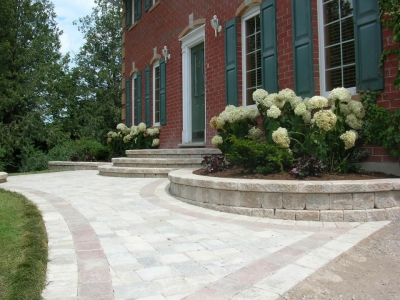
339,44
253,58
333,57
331,11
332,34
333,79
349,56
347,29
349,76
157,95
346,8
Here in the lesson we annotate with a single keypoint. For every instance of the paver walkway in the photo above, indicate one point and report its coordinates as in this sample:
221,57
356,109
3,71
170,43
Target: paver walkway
127,238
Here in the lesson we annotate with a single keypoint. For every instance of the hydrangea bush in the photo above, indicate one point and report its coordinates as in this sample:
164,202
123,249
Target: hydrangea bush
320,128
135,137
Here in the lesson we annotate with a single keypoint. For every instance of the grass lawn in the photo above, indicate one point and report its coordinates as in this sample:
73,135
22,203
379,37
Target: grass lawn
23,248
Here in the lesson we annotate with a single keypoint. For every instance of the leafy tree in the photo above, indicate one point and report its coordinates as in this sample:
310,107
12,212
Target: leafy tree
30,66
95,106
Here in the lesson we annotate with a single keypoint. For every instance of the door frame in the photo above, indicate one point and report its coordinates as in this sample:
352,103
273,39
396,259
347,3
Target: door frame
195,37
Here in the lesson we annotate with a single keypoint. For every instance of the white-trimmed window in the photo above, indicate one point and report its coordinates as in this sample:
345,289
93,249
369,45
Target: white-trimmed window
337,45
251,53
156,93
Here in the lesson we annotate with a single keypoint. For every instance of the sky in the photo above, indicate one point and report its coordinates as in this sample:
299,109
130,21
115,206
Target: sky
67,12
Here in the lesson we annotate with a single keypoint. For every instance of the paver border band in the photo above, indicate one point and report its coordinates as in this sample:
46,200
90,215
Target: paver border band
326,201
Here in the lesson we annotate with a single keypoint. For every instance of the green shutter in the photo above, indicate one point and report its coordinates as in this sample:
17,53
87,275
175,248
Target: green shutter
269,49
139,97
231,63
147,5
163,94
368,40
303,48
128,13
138,9
127,103
147,91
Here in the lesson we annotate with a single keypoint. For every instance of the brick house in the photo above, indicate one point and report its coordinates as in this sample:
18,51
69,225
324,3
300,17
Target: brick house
310,46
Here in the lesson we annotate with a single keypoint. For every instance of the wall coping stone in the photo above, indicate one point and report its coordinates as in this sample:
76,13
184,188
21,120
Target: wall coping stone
297,195
3,177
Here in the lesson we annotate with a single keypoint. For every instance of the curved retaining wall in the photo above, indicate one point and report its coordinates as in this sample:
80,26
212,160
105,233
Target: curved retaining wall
327,201
75,165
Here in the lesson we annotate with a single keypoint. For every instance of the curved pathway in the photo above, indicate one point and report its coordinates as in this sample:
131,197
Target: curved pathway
127,238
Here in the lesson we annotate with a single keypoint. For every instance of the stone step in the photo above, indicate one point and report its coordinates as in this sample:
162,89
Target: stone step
157,162
172,153
134,172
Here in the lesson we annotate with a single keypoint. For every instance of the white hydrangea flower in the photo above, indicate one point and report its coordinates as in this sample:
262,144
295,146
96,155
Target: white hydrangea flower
270,100
259,95
344,109
141,127
295,102
357,109
217,123
255,133
114,135
281,137
121,126
273,112
317,102
343,94
354,122
127,138
307,117
300,109
109,140
287,95
150,131
349,138
252,112
156,142
325,119
110,134
216,140
156,131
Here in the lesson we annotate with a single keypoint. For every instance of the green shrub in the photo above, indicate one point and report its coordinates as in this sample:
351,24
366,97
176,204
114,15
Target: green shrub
258,157
2,158
63,151
33,159
79,150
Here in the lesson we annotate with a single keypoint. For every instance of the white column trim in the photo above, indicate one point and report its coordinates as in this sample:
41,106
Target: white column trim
190,40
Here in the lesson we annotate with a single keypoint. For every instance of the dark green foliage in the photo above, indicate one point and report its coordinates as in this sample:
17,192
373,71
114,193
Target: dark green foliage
307,166
215,163
79,150
257,157
238,129
381,127
33,159
390,18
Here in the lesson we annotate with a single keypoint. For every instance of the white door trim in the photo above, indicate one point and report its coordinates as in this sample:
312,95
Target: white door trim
190,40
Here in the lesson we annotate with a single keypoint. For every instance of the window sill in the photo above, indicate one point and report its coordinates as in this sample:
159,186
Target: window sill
154,6
192,145
132,26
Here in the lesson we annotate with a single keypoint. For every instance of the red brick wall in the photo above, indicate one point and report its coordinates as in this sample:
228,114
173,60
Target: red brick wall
162,26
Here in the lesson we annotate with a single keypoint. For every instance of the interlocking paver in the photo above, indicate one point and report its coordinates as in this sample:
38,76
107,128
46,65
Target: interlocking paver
127,238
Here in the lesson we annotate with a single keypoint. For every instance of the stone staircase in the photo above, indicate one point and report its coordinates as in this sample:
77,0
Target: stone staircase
151,163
